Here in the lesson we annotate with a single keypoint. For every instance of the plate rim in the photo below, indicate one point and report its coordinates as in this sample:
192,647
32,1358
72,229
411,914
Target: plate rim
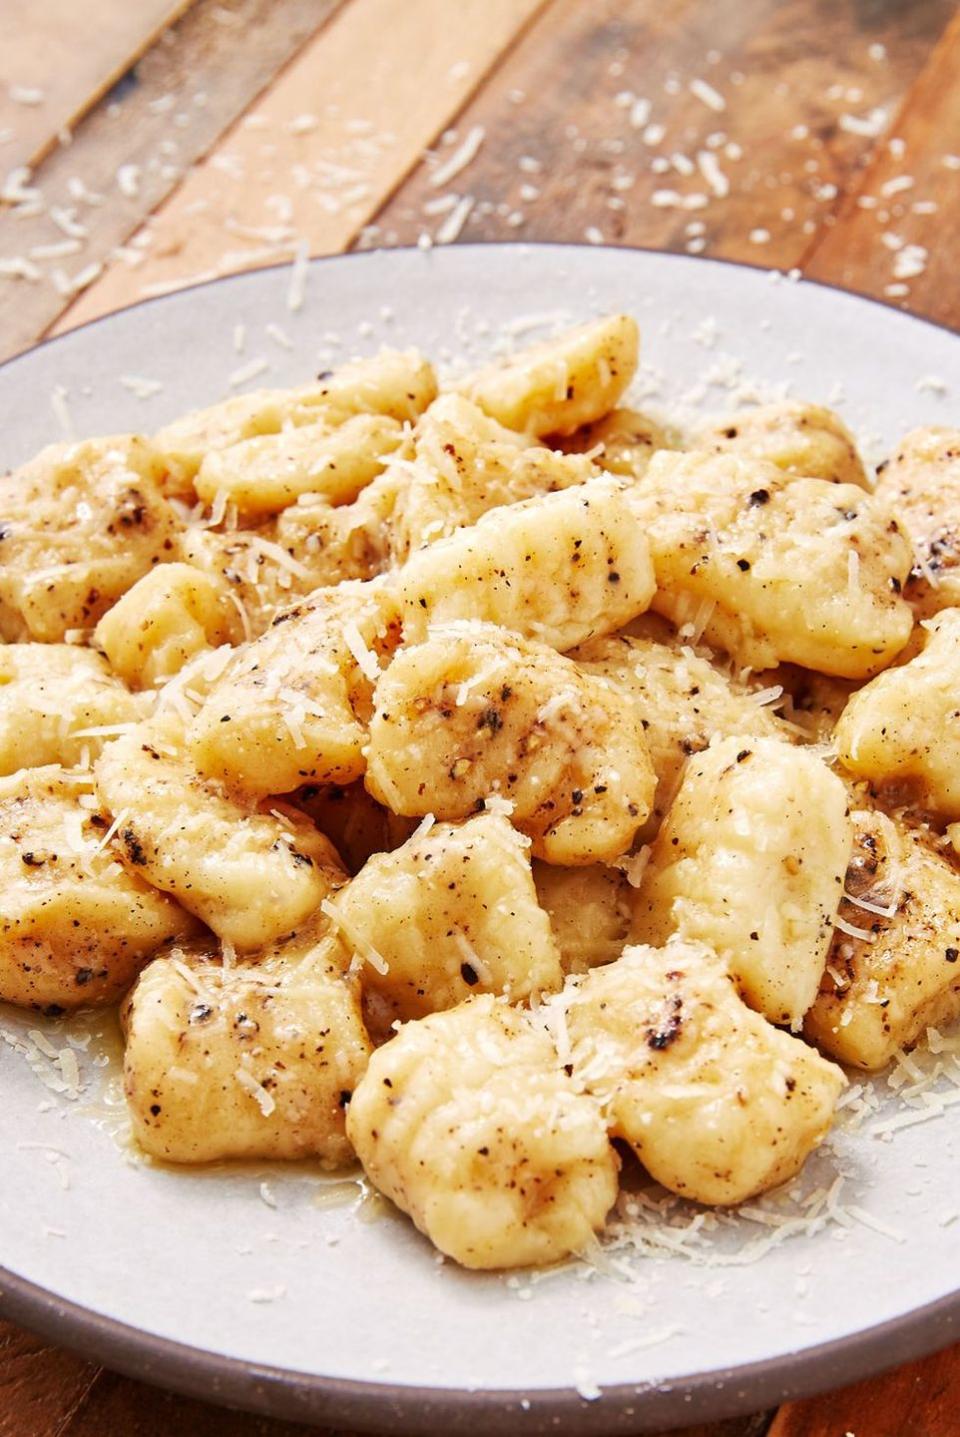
390,1407
887,306
394,1407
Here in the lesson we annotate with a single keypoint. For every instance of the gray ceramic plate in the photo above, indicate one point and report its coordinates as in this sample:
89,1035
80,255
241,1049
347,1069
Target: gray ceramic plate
268,1290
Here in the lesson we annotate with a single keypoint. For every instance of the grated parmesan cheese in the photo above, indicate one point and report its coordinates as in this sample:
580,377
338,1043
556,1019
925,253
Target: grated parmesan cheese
257,1091
460,158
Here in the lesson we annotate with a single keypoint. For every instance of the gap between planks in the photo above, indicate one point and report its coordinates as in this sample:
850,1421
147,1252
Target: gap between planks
62,57
166,112
854,253
322,149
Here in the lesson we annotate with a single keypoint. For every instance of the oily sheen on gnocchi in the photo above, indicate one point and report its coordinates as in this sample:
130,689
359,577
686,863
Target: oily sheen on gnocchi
487,781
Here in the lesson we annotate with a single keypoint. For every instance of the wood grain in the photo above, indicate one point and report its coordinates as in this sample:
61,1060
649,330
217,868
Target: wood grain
792,77
854,252
162,117
921,1399
70,54
322,150
40,1386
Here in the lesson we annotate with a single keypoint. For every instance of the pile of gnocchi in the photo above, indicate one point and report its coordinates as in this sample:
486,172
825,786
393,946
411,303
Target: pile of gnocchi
484,782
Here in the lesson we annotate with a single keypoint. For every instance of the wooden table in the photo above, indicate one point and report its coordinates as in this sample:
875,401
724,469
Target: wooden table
147,145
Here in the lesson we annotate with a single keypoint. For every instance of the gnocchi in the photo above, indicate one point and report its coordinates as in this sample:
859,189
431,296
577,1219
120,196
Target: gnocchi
750,860
560,569
717,1104
476,714
468,1123
249,1060
250,876
78,923
770,567
59,703
478,781
456,910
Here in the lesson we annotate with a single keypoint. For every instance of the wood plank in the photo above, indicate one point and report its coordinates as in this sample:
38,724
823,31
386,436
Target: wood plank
855,251
166,113
921,1398
320,152
40,1386
69,55
570,155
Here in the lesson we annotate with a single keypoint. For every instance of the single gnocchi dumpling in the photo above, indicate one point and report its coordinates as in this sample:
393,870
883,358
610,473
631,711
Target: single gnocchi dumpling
452,911
261,476
904,727
333,543
800,438
247,1060
589,911
465,464
921,482
171,614
293,706
396,383
57,702
476,712
76,925
771,568
750,860
562,384
466,1121
717,1104
893,968
623,442
250,876
682,701
261,574
81,524
560,569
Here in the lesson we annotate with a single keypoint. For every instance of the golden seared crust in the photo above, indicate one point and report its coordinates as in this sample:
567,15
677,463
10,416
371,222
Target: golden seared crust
255,1060
477,713
881,991
717,1104
76,924
466,1121
560,385
770,567
750,860
451,912
81,523
803,439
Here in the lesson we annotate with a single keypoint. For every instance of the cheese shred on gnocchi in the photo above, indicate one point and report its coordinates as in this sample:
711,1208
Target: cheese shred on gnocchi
488,781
